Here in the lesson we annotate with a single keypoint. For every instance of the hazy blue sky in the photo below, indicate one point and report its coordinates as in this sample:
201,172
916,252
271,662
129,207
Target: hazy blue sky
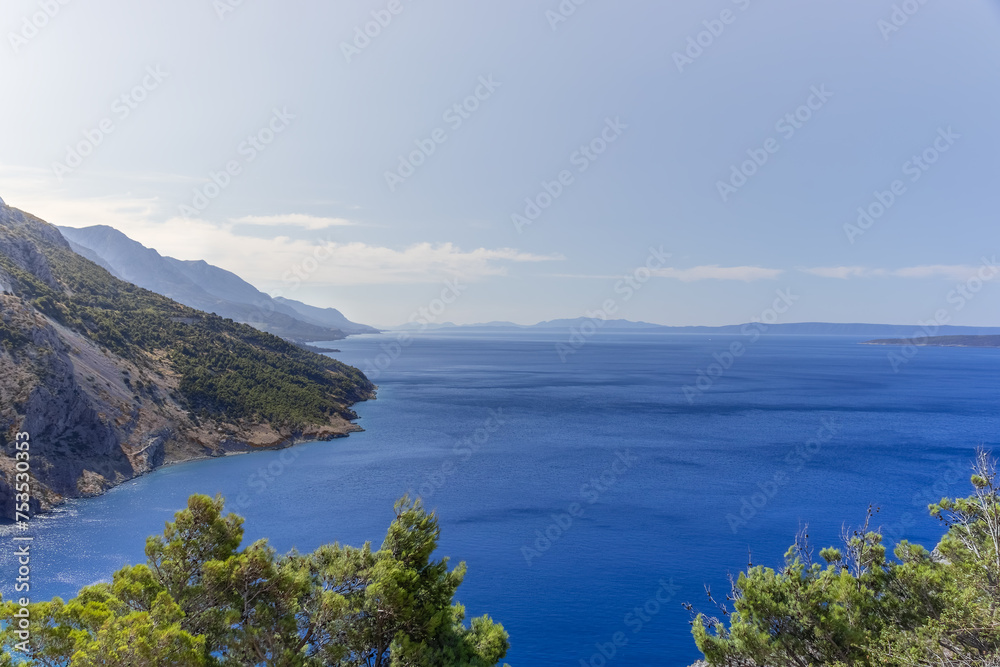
886,80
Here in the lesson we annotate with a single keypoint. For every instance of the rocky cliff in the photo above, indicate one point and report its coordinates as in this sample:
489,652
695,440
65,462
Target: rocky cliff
112,381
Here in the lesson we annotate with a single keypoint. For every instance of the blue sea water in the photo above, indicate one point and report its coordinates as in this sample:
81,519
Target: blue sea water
796,431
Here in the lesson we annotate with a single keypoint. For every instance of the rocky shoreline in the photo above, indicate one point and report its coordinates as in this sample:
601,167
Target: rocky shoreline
96,420
124,445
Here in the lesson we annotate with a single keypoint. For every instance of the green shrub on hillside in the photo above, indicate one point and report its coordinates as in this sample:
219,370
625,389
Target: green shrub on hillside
859,607
227,370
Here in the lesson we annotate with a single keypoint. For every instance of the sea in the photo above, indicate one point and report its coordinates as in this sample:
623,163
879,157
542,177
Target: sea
595,487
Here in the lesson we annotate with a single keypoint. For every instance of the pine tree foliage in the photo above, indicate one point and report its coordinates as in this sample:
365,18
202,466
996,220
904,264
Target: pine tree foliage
201,601
861,607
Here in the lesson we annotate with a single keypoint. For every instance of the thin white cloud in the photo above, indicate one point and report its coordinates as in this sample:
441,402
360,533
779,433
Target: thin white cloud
583,276
716,272
117,212
693,274
353,263
948,271
286,260
841,272
266,262
301,220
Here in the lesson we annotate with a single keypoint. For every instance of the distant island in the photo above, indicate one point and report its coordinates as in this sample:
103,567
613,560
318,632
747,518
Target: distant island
941,341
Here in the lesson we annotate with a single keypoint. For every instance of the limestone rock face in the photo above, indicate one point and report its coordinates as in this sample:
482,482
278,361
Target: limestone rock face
88,431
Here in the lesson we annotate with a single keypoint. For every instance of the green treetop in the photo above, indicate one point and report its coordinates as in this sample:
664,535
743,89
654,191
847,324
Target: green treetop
200,601
860,608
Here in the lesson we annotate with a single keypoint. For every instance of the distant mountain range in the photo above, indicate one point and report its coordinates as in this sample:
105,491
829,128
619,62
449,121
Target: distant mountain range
200,285
796,328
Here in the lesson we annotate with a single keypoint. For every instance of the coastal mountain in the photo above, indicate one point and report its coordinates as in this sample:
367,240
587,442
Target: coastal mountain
201,285
324,317
788,329
111,380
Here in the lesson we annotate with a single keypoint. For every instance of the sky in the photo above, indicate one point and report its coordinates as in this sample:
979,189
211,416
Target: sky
684,162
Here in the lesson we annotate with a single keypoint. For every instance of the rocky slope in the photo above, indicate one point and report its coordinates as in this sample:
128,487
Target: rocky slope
112,381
